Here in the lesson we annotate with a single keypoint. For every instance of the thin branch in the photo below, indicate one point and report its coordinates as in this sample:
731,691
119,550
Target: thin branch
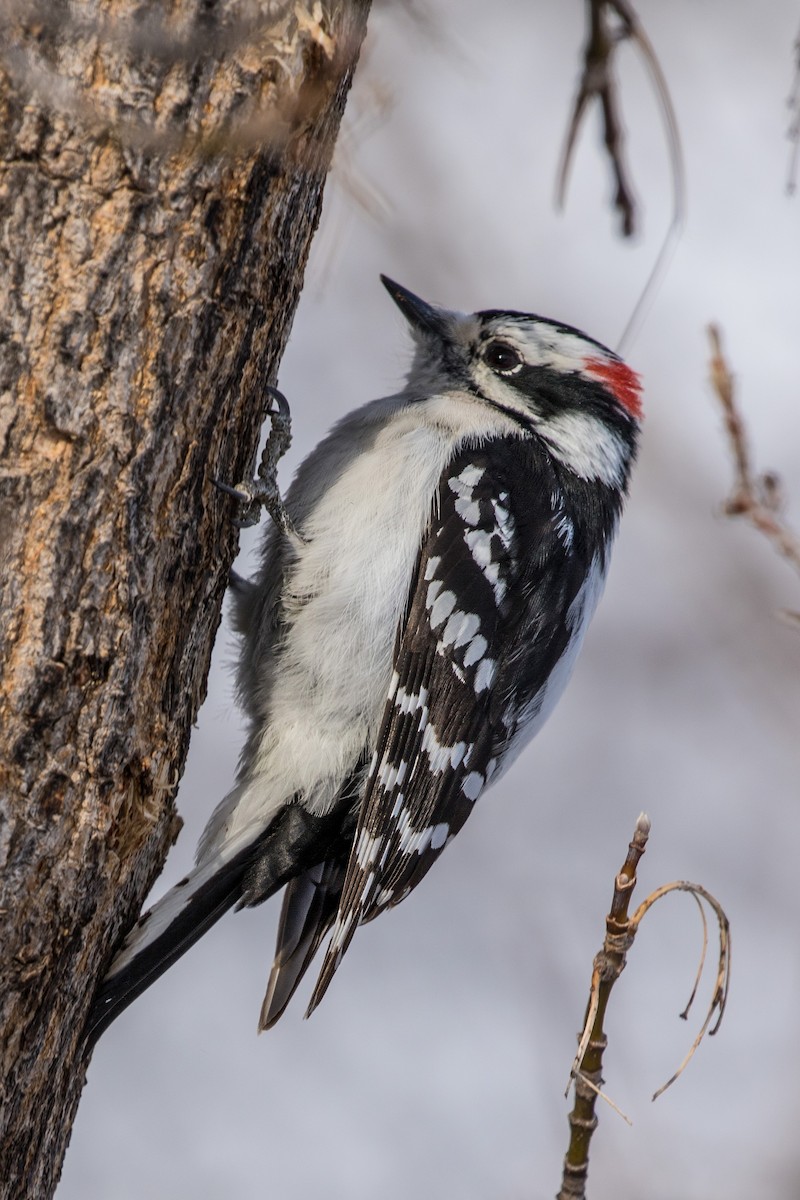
757,498
607,968
793,132
587,1068
598,82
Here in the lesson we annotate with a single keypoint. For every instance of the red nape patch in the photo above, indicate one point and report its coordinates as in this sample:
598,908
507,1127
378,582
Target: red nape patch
620,380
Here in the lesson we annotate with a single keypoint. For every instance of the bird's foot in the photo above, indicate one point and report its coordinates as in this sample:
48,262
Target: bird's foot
263,492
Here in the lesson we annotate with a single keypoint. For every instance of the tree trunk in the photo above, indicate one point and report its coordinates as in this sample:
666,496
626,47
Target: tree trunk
160,181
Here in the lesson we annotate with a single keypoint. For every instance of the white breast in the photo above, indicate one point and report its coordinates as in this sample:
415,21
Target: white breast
344,600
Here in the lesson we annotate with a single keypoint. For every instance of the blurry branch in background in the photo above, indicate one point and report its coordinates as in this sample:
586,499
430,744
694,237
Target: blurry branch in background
268,32
157,38
758,498
597,81
586,1072
793,132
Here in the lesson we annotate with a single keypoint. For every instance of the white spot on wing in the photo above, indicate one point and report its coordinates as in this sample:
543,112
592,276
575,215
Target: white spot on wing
485,674
434,587
441,756
471,474
476,650
470,627
480,546
463,484
407,702
472,785
391,776
453,629
341,930
492,573
442,607
505,525
367,848
468,510
439,836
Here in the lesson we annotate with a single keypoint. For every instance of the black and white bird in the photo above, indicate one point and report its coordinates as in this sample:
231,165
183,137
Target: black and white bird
412,626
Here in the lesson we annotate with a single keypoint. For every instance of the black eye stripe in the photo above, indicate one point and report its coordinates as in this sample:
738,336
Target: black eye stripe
501,357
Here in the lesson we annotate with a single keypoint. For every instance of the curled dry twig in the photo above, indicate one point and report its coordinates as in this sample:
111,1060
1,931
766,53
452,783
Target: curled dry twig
719,998
757,498
608,965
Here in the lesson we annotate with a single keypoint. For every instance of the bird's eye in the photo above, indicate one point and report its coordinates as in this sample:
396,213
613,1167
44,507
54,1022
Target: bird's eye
502,358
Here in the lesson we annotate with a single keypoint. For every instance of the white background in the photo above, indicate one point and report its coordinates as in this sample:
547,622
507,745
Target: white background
437,1064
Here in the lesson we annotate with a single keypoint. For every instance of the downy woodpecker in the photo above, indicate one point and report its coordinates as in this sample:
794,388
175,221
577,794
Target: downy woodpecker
418,611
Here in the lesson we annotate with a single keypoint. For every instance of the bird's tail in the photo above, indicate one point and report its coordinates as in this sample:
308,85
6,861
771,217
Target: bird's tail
296,844
164,933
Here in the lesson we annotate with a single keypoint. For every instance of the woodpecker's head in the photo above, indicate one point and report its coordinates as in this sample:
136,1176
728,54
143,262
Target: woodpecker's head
550,379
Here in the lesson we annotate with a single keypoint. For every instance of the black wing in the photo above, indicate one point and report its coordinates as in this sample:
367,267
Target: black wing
491,612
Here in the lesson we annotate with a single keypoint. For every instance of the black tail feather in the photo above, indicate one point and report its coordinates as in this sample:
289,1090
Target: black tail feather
294,842
309,908
202,911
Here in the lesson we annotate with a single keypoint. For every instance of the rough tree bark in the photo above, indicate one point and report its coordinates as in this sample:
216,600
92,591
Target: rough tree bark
160,180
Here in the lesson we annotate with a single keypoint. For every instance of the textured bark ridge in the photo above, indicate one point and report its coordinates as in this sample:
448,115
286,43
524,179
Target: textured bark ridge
160,180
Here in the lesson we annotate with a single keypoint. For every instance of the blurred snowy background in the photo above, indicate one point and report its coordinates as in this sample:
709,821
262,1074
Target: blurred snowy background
437,1064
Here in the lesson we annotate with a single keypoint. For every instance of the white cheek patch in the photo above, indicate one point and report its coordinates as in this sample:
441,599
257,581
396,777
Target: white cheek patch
587,447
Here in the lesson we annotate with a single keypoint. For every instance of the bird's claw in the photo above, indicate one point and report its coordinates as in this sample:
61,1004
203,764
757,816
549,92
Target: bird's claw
262,492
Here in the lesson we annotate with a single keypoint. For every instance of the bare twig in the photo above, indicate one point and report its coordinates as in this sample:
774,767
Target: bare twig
587,1067
719,997
793,132
597,81
758,498
607,968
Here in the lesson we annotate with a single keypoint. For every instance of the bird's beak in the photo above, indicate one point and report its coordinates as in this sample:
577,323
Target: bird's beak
421,316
